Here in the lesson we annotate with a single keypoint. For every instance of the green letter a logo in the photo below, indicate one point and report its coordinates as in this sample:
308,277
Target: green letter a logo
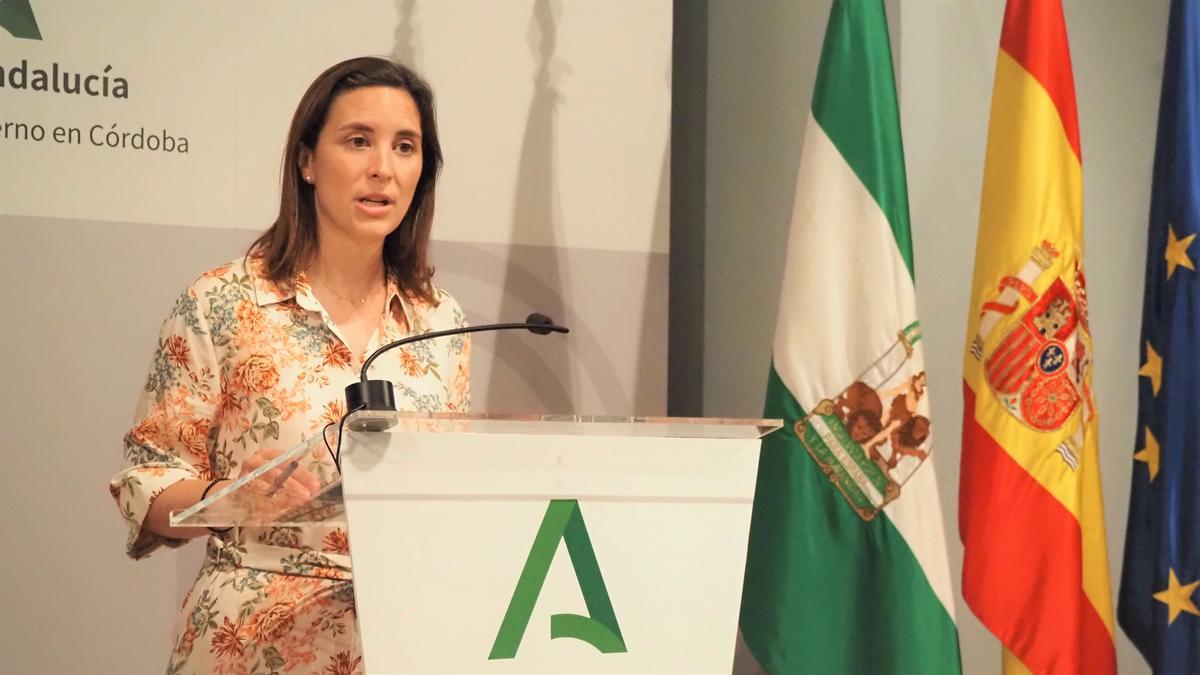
563,520
16,17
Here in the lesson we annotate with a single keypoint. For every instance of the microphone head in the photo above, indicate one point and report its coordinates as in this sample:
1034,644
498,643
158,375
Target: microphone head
541,320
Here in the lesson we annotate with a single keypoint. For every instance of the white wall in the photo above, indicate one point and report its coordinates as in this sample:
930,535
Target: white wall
762,61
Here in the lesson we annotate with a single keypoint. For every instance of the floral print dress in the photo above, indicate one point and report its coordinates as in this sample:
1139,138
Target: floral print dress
244,364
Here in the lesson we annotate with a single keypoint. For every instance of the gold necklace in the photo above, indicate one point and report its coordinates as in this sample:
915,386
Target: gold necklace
348,300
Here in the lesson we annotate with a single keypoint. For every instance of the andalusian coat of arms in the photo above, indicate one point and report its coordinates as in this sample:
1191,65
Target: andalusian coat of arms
873,435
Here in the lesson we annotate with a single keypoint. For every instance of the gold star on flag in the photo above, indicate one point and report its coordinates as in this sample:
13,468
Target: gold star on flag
1177,252
1152,368
1149,454
1178,597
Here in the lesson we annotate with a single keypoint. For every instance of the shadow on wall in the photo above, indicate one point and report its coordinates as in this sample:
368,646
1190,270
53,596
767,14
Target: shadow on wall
528,277
655,300
519,373
405,51
537,217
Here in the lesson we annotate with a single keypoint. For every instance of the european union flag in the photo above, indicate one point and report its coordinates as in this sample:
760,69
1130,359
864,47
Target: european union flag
1159,596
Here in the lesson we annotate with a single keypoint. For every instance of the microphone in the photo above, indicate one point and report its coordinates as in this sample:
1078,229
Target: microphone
379,394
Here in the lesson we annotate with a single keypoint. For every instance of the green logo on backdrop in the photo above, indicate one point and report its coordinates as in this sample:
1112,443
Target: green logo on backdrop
17,18
563,521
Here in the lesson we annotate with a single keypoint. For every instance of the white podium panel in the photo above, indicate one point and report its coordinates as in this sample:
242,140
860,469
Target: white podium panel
443,529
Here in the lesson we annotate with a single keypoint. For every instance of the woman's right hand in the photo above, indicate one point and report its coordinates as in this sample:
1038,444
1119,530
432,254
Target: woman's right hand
298,484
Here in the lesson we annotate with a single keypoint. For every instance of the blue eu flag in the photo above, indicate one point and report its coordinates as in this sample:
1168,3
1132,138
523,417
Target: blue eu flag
1160,583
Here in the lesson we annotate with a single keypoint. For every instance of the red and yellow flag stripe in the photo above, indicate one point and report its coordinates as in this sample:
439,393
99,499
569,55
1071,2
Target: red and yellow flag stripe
1035,569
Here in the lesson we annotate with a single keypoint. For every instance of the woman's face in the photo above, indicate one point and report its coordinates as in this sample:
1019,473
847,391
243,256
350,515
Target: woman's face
366,164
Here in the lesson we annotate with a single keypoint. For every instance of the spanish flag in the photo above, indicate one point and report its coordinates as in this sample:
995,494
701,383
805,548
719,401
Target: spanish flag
1031,518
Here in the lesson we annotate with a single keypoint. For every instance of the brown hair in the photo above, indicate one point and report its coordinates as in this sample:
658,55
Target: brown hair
290,243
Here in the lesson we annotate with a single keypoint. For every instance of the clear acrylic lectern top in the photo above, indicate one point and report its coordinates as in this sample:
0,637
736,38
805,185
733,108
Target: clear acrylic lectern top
252,501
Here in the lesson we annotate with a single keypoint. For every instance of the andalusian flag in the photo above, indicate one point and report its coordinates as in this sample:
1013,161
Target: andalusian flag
1160,581
1035,569
847,570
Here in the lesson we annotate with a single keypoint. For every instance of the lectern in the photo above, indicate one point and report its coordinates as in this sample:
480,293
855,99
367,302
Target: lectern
535,544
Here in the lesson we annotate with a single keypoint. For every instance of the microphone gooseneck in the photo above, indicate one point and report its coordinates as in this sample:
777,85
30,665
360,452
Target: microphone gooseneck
379,395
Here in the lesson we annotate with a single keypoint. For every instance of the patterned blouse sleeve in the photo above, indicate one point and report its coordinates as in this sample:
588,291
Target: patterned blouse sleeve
177,409
458,389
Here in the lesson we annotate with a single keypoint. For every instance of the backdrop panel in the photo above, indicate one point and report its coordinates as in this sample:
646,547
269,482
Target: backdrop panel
140,144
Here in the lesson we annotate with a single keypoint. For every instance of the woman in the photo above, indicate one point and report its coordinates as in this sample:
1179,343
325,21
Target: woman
254,358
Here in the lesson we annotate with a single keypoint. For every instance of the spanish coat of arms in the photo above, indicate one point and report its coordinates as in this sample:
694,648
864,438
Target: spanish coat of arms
1039,370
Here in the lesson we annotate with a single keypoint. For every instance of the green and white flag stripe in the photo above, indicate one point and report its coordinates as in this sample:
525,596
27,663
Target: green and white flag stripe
834,584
